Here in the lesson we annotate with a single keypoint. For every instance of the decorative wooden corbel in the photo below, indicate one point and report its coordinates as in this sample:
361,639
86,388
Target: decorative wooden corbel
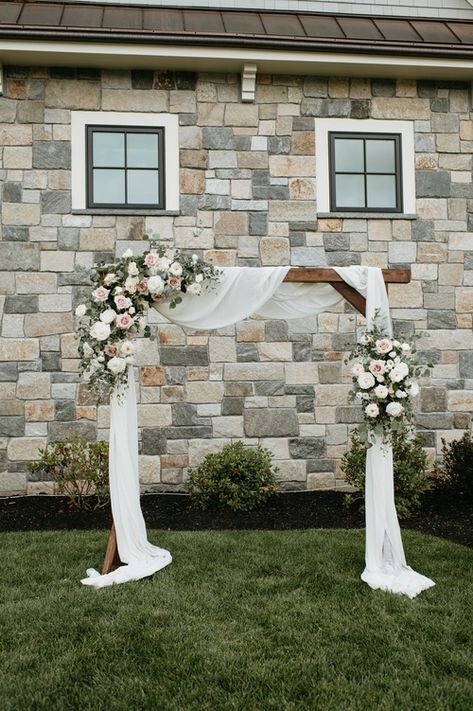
1,79
248,82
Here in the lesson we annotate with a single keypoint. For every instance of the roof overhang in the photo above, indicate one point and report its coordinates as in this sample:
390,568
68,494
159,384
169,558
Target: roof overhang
217,58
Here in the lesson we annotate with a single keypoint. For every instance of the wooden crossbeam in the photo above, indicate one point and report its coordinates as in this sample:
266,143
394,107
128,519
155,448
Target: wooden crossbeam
300,274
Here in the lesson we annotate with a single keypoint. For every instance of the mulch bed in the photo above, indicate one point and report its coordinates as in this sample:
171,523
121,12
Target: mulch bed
439,515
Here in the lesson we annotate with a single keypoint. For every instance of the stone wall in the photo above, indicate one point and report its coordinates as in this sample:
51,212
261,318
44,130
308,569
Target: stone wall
248,198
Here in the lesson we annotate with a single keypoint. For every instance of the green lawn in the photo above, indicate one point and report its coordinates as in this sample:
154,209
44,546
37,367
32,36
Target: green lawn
240,620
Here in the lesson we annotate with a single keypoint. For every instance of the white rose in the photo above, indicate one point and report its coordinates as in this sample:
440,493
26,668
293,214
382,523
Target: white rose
195,258
401,394
81,310
372,410
396,344
100,331
366,380
116,365
381,391
163,264
130,284
195,289
88,351
109,279
133,269
108,316
199,278
127,254
393,354
399,372
175,269
357,369
394,409
405,347
414,389
127,348
155,285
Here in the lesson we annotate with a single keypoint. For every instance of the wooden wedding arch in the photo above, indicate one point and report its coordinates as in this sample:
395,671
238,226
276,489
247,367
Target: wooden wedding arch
298,274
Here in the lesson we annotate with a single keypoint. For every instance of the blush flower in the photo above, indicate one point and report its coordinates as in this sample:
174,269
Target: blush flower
122,302
127,348
151,260
357,369
133,269
142,286
124,321
175,269
109,279
111,350
377,367
131,284
88,351
100,294
365,381
383,345
175,282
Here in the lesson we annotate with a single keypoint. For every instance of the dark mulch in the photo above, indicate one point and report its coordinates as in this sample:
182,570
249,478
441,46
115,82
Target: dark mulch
440,515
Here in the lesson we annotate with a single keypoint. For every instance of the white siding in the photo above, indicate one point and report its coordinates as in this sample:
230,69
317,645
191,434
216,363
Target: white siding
405,8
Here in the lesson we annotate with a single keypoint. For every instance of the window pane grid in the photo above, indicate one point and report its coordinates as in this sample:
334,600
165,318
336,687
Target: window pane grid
152,190
364,195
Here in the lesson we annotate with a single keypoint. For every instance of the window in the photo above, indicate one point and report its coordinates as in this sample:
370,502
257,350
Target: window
365,167
365,172
124,163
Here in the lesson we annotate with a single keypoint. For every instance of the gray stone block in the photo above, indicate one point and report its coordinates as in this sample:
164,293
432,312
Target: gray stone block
65,410
326,108
215,202
21,304
197,432
273,422
185,414
142,79
238,389
16,234
30,112
302,351
360,109
466,364
433,399
269,387
68,238
425,143
12,192
336,241
50,361
302,123
434,421
258,223
57,202
402,252
279,145
433,183
185,80
8,372
12,426
247,353
218,138
307,447
175,375
441,319
51,154
19,256
153,441
320,465
233,405
271,192
304,403
299,390
349,415
186,355
343,259
59,431
276,331
315,86
383,87
308,257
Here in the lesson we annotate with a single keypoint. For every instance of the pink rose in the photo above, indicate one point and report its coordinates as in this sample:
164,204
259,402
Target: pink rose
101,293
122,301
151,260
124,321
377,367
384,345
142,286
111,350
175,282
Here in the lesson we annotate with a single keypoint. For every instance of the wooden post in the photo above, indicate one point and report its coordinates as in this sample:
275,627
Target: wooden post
300,274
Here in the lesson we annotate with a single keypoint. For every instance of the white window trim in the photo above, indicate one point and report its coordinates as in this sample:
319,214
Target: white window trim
404,128
81,119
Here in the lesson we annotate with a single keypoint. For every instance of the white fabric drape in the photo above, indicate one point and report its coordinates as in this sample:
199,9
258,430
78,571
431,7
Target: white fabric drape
241,292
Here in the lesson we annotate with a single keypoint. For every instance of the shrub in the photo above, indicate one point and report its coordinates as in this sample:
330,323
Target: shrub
410,470
456,468
80,470
237,478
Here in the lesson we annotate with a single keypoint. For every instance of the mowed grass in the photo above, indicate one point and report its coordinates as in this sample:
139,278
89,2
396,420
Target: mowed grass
240,620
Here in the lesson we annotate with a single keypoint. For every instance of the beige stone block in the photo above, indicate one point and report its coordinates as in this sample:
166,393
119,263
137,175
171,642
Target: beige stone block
253,160
18,157
97,239
275,351
7,391
303,143
229,426
271,94
291,210
278,446
301,373
147,353
190,137
17,135
400,108
405,295
25,448
12,483
204,391
210,114
182,101
460,400
36,283
33,488
431,252
192,181
289,166
152,375
170,335
222,349
33,386
60,261
253,371
199,448
154,415
7,283
460,241
274,251
241,115
329,225
456,340
379,230
86,412
134,100
39,410
18,349
464,300
149,469
424,272
48,324
69,344
327,395
231,223
451,274
24,214
301,189
291,470
466,130
320,480
250,331
72,94
406,87
426,161
432,208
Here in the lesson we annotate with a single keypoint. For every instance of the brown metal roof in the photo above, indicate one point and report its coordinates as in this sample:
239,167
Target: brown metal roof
272,30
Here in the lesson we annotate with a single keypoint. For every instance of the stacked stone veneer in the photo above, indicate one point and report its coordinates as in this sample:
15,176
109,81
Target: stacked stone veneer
248,197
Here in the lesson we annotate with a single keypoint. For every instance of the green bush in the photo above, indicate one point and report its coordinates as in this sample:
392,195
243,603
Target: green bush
456,468
80,470
237,478
410,471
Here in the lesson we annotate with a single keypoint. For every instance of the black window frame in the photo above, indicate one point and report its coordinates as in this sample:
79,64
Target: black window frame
397,138
159,131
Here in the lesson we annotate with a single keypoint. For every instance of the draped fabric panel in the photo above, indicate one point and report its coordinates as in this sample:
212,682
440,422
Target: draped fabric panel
240,293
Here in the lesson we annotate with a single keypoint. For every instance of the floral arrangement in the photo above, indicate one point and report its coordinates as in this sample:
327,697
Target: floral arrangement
115,310
384,372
